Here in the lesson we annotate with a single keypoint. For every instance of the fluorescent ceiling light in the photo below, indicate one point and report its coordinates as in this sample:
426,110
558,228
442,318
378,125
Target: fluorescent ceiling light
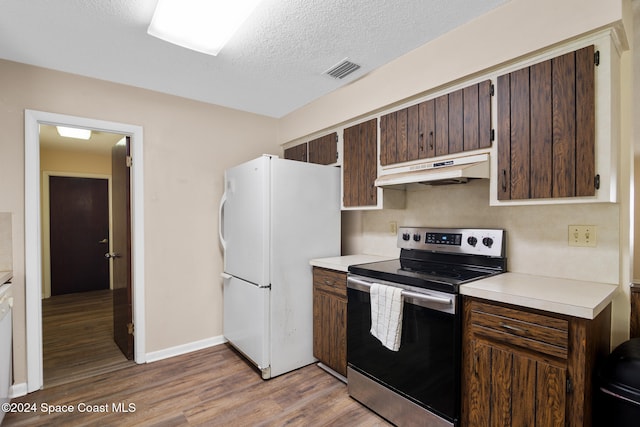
201,25
73,132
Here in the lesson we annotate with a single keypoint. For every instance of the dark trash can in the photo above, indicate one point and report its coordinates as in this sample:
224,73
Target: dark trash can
618,396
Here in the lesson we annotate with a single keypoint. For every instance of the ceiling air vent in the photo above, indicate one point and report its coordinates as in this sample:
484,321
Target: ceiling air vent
342,69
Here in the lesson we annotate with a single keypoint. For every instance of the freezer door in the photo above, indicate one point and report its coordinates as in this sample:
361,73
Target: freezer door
246,320
244,221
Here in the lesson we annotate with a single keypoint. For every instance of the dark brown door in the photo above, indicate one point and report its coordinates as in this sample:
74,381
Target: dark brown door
546,129
324,150
121,246
79,222
359,164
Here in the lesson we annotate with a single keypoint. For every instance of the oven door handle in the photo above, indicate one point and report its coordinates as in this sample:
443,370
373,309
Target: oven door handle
419,296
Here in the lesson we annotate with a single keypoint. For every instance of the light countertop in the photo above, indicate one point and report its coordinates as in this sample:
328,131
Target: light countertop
571,297
563,296
342,263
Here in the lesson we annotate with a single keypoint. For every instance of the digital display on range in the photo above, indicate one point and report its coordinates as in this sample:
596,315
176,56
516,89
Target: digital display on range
454,239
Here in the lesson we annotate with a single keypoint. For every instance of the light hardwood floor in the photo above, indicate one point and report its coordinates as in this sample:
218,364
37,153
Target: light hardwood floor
211,387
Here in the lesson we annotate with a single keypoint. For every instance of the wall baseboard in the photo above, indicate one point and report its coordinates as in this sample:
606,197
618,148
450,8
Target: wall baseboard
184,348
18,390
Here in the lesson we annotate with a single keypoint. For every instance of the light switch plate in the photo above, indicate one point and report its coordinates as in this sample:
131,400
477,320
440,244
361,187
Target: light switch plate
583,235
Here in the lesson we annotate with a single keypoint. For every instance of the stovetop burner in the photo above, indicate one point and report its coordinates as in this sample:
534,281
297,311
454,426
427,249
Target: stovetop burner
440,259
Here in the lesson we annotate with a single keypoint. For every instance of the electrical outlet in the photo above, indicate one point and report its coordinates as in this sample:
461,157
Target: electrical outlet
393,227
583,235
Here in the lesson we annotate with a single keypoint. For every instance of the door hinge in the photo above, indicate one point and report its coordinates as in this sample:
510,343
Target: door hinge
129,161
596,182
596,58
493,135
492,90
569,386
130,328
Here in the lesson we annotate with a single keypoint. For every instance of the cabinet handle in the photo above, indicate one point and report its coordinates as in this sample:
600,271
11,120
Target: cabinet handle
430,140
504,180
420,139
514,328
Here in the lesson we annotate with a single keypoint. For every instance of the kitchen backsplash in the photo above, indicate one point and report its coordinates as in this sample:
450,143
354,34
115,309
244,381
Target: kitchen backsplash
537,236
6,259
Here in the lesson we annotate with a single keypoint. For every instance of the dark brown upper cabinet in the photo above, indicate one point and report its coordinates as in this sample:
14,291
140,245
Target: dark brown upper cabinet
359,163
546,129
452,123
298,152
324,150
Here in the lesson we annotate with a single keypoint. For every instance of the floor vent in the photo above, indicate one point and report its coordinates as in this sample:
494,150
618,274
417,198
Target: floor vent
342,69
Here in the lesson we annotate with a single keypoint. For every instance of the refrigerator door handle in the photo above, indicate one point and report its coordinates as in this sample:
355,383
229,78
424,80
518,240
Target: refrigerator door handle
220,220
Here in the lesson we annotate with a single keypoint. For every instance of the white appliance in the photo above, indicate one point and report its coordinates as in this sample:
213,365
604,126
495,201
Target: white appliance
275,216
6,302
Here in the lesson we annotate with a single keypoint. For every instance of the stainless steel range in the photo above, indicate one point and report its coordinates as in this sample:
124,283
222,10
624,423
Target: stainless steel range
417,383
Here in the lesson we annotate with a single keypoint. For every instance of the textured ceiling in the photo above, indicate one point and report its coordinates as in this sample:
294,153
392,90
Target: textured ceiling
273,65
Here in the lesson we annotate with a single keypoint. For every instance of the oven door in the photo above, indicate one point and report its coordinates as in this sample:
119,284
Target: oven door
426,368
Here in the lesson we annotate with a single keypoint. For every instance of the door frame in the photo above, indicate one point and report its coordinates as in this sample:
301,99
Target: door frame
33,235
46,223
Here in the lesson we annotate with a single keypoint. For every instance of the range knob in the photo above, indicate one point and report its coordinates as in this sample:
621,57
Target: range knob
406,236
416,237
472,241
487,241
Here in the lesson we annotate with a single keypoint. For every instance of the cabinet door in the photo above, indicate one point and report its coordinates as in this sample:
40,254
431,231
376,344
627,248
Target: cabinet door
324,150
360,164
298,152
402,134
510,388
427,129
452,123
477,381
329,330
546,129
330,318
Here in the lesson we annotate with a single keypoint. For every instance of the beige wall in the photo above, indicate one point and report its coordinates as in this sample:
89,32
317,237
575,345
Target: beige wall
74,161
187,146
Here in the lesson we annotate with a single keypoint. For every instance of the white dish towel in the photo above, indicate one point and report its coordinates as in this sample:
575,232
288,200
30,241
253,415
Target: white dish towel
386,315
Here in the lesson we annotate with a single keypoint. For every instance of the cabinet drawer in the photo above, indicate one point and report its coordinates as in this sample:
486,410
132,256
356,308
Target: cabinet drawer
533,331
330,281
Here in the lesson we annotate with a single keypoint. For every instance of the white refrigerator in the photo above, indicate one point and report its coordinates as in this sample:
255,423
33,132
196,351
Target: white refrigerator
275,216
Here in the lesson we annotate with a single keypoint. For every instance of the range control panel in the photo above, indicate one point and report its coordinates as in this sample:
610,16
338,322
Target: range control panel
471,241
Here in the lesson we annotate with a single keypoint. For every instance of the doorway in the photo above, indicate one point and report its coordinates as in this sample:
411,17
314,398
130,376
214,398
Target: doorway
77,227
34,237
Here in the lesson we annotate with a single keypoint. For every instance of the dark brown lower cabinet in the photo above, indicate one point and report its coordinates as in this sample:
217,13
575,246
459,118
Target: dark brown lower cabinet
634,331
524,367
330,318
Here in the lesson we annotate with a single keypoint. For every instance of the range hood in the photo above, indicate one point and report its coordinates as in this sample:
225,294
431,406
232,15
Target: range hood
440,172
